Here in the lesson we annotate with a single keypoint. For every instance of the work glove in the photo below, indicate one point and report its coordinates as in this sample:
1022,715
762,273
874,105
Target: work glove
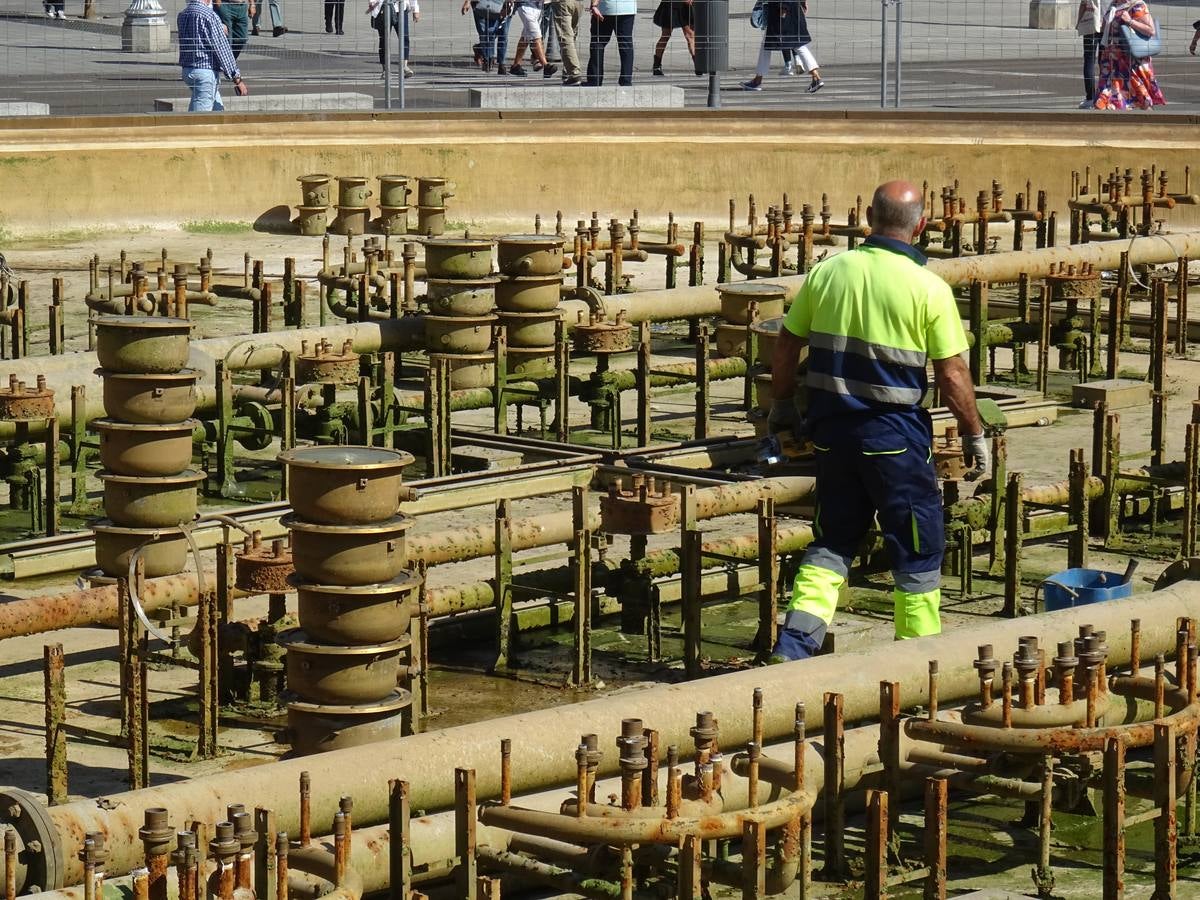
783,418
976,455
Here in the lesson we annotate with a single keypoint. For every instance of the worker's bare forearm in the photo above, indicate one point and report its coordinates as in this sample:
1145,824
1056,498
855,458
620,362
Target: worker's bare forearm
958,393
784,363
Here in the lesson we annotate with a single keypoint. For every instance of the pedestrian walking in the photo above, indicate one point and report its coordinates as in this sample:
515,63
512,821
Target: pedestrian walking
55,9
204,54
529,12
1195,37
1088,24
278,29
1126,58
396,9
566,15
669,15
335,16
491,27
611,17
235,14
872,318
785,28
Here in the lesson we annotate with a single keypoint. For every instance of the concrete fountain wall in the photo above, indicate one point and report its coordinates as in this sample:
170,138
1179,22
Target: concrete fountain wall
70,173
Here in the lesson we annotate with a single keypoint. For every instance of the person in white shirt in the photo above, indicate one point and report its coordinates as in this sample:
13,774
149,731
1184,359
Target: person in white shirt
529,12
1088,24
398,8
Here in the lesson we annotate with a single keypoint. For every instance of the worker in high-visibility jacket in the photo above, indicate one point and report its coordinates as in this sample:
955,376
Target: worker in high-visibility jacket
871,318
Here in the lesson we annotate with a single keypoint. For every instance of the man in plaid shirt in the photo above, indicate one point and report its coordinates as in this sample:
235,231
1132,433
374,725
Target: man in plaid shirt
204,53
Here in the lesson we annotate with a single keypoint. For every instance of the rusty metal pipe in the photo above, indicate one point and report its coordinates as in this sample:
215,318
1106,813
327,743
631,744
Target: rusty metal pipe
364,770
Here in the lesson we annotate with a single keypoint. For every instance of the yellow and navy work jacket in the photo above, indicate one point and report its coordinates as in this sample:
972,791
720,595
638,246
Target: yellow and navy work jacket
873,317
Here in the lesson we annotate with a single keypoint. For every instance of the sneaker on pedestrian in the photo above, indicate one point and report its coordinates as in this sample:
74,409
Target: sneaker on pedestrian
537,66
751,86
549,71
518,71
815,85
60,14
1085,103
254,31
573,81
789,68
279,32
658,70
408,72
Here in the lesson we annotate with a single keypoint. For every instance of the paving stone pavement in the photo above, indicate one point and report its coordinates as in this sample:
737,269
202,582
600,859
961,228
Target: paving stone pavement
970,54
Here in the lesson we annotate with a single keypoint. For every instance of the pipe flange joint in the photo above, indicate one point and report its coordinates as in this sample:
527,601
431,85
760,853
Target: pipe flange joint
243,830
632,744
985,664
704,733
185,848
156,834
224,845
41,864
93,852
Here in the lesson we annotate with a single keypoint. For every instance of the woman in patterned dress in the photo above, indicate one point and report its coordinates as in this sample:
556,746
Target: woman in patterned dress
1126,81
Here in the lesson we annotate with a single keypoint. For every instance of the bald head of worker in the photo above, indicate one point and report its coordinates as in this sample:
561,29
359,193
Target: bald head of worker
897,211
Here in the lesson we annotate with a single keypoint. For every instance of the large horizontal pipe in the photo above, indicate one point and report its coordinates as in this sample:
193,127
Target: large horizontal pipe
690,302
265,351
427,761
50,612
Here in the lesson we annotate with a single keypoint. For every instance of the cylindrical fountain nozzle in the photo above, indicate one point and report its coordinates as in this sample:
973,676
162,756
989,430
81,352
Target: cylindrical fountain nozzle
224,844
156,833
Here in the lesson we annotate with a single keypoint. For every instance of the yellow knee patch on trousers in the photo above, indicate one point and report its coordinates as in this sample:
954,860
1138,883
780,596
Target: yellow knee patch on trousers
815,591
917,614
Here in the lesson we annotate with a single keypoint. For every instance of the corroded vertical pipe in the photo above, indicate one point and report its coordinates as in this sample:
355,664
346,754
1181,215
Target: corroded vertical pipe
339,849
281,866
506,772
674,782
305,809
156,838
581,780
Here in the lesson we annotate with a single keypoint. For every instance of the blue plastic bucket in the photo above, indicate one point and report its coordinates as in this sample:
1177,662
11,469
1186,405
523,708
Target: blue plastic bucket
1088,585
